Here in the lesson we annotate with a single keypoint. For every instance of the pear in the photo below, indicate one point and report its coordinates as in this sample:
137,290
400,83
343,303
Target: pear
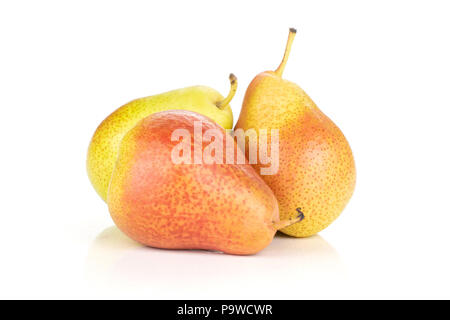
316,171
212,205
104,145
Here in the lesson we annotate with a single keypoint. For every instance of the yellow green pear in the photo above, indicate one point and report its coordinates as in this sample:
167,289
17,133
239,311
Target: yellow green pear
104,146
316,173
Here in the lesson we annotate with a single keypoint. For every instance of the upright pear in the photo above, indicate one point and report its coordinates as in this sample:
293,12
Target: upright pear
316,168
174,187
104,145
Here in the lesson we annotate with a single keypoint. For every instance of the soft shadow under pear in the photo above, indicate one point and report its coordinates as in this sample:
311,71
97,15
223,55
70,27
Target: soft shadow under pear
114,260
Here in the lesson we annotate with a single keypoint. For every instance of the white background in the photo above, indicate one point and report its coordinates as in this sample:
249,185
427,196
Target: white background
379,69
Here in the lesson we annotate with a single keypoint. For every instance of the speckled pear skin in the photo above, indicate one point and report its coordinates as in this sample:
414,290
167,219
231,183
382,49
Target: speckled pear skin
316,166
222,207
104,146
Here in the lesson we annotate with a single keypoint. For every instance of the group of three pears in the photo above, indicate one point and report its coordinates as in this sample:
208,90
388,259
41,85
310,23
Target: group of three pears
221,205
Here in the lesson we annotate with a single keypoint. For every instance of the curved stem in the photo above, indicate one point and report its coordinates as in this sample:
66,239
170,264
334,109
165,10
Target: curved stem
287,222
233,82
280,69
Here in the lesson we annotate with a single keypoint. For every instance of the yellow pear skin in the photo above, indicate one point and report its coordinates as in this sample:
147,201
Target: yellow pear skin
104,146
316,168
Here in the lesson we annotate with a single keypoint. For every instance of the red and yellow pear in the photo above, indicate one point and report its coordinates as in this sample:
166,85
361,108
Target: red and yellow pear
316,168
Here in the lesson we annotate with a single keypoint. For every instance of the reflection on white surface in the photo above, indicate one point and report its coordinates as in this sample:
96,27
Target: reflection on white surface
117,262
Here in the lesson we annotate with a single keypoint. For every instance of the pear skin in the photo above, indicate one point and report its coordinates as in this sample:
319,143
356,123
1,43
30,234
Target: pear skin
316,167
104,145
166,204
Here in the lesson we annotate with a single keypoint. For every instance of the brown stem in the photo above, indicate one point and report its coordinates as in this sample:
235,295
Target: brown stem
233,82
280,69
287,222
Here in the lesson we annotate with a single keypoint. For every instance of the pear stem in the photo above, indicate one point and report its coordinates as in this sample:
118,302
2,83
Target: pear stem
233,82
287,222
280,69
